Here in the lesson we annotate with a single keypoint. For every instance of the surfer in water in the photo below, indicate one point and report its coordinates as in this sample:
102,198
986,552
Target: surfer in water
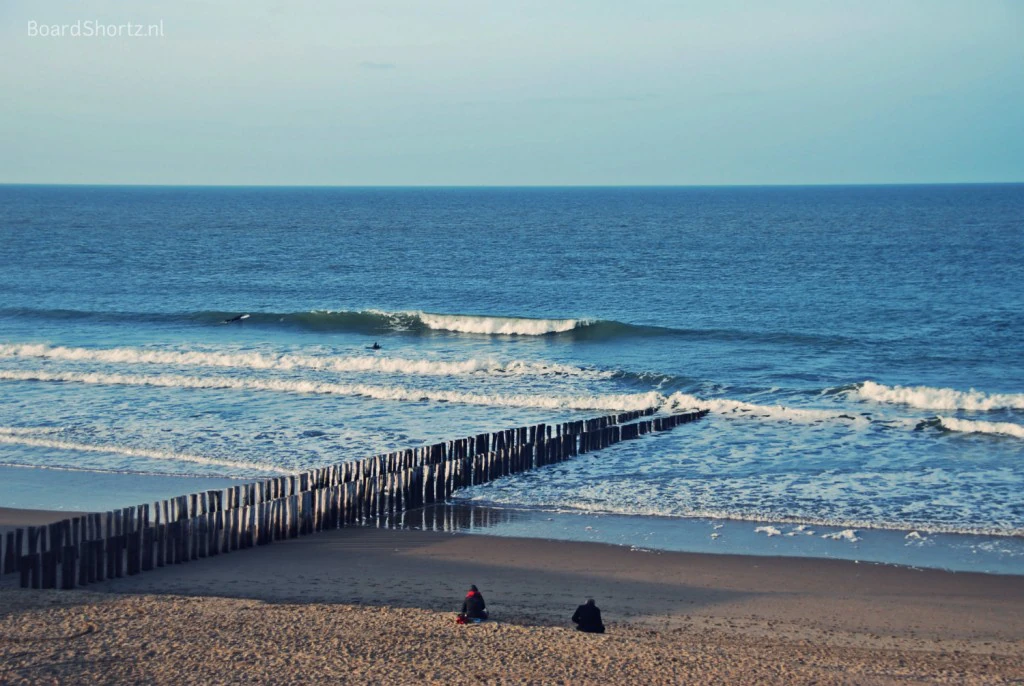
375,346
236,319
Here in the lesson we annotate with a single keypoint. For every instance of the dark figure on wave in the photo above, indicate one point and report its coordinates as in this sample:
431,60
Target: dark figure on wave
236,319
375,346
588,618
473,607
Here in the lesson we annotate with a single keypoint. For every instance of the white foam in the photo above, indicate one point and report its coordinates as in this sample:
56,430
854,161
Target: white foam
979,427
99,470
927,398
844,535
511,497
21,439
25,430
252,360
507,326
683,401
769,530
914,536
626,401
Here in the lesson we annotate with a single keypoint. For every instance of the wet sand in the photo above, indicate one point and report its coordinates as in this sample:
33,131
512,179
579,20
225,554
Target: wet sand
375,605
14,518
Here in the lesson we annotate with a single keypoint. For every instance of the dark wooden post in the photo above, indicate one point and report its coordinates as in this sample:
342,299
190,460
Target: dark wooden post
147,549
98,572
84,560
34,562
67,561
10,557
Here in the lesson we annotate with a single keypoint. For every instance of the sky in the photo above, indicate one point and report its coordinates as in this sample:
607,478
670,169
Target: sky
527,92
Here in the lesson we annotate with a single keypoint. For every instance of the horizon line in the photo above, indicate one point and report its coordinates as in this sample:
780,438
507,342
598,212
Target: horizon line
514,186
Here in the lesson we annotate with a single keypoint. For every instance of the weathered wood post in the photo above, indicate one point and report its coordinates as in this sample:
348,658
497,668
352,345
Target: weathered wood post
10,557
32,563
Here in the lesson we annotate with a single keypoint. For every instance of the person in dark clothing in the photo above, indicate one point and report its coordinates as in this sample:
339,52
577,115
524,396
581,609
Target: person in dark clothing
588,618
474,607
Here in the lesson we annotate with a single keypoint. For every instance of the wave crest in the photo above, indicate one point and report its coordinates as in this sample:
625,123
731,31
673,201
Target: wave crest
979,427
683,401
503,326
927,398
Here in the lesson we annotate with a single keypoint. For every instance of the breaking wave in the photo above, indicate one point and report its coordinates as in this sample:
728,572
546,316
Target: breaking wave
18,436
684,401
927,398
505,326
979,427
284,362
356,321
677,401
379,322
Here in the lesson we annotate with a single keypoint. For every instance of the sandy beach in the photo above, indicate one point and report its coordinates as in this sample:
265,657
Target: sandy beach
366,605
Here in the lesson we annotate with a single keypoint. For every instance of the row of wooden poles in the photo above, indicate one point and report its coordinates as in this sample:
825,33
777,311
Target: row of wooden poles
94,547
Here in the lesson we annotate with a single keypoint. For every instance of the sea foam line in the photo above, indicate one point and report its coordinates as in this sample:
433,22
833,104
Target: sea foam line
99,470
741,516
625,401
22,439
928,398
980,427
684,401
26,430
285,362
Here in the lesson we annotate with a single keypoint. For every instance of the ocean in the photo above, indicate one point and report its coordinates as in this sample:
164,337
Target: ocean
861,350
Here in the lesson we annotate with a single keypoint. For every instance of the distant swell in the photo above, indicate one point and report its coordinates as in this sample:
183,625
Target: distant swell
636,401
379,322
357,363
927,398
19,437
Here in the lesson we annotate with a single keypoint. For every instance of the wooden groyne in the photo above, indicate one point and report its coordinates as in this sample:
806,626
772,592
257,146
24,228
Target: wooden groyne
376,490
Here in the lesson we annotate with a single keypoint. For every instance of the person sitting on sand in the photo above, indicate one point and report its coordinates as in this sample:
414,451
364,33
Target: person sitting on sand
474,607
588,618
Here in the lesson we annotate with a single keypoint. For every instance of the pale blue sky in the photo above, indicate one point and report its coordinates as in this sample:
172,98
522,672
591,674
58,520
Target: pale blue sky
474,92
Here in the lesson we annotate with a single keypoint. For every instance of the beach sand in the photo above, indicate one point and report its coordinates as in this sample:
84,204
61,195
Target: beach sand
373,605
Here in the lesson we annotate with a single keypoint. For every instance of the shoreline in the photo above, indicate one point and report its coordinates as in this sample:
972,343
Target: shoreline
964,553
390,596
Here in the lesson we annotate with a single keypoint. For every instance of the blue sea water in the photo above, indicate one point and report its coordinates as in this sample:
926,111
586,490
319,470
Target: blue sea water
860,347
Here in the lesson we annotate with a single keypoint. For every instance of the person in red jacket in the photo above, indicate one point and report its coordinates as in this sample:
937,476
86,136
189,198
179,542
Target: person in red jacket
474,607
